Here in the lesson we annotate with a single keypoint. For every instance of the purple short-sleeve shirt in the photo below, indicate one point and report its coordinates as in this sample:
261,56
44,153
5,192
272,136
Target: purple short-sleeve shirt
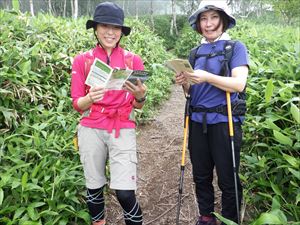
205,95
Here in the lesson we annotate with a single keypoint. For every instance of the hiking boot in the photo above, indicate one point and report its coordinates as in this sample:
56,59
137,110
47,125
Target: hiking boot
206,220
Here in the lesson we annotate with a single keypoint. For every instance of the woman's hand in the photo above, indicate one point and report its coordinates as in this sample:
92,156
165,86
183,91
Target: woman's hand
138,90
198,77
96,94
235,83
180,79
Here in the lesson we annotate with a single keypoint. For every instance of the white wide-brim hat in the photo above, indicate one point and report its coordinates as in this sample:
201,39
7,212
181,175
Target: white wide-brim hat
211,5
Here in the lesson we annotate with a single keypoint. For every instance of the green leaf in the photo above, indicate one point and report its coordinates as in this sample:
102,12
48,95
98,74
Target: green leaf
15,184
280,215
26,67
295,112
296,173
9,115
275,189
31,223
16,5
291,160
297,199
224,220
36,170
281,138
275,203
272,125
4,91
32,213
84,215
1,196
37,204
49,213
269,91
265,195
24,179
267,218
63,221
19,212
254,32
31,186
35,49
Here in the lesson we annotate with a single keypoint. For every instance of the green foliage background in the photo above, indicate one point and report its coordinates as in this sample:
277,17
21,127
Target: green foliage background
162,28
41,177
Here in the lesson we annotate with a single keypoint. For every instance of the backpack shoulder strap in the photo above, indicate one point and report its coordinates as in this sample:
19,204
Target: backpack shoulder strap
228,50
88,61
192,56
128,59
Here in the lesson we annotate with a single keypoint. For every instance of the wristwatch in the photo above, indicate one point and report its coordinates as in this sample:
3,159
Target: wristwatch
140,100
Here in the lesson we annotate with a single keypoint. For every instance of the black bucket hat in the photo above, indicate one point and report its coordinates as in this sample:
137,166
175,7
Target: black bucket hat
108,13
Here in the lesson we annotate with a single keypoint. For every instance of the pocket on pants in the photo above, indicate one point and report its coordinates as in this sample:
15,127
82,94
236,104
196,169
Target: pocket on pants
126,158
133,157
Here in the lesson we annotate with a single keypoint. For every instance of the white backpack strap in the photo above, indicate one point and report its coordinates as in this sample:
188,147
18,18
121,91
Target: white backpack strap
128,59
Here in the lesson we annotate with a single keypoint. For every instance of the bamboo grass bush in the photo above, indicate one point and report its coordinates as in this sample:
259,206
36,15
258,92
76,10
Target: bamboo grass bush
41,176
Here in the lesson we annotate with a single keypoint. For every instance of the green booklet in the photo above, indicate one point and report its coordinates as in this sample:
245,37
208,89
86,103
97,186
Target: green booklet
102,74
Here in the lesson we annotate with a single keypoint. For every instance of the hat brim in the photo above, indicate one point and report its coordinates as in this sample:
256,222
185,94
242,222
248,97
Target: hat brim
91,24
195,16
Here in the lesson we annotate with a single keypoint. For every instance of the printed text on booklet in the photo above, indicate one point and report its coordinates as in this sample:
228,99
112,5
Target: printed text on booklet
179,65
102,74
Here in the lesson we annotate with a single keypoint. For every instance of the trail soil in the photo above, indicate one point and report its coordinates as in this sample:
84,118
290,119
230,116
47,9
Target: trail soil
159,156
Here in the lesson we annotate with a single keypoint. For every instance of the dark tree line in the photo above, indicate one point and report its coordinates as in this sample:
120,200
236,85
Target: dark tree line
286,9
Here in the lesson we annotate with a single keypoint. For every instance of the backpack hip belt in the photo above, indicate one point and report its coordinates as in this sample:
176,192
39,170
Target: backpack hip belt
238,109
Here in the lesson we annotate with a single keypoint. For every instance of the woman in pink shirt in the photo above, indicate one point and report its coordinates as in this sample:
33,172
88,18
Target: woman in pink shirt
107,127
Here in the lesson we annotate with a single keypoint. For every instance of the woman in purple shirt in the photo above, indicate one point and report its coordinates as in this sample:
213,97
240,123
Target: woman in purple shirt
209,140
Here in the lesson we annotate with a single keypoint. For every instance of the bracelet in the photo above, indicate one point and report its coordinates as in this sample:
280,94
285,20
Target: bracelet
140,100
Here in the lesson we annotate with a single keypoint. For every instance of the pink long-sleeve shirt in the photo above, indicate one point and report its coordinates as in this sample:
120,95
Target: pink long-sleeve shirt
114,110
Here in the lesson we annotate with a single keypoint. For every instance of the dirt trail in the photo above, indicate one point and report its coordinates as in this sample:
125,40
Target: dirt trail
159,154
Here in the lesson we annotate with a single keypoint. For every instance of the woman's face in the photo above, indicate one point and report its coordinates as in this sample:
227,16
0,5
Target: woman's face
109,35
211,25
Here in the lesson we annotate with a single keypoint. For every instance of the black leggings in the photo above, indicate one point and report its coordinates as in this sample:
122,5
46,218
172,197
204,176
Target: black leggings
131,208
95,202
209,150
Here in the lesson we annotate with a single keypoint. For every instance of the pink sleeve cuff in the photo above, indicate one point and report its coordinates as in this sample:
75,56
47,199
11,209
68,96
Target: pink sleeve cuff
75,105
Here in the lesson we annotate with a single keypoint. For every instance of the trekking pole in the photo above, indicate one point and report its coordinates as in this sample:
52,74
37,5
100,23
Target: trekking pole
182,166
231,134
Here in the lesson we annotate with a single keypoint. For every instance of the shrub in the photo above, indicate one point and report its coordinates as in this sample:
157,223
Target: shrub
162,25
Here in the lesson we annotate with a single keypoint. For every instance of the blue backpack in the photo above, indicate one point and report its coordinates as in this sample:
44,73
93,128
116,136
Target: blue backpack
239,106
